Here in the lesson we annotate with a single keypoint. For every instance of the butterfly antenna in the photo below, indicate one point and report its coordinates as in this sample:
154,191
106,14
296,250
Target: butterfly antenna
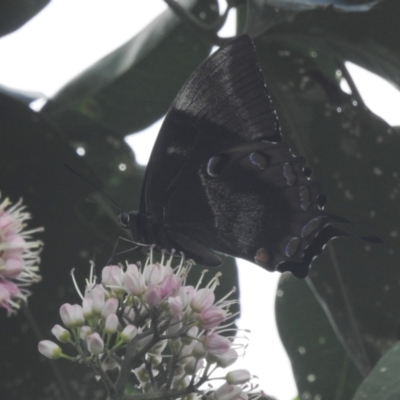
94,186
126,253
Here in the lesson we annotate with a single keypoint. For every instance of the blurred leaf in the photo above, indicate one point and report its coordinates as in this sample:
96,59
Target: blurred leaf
383,382
262,17
15,13
133,86
342,5
264,14
321,366
354,156
22,96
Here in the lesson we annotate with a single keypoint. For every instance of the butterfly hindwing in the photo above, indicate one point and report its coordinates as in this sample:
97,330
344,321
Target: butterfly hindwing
220,177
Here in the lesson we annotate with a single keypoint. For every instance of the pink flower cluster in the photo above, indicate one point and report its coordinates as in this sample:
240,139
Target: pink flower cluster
150,322
19,256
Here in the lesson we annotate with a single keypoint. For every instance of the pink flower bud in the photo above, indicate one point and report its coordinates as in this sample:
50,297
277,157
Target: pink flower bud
129,333
95,344
61,334
153,274
202,300
85,332
238,377
186,293
72,315
175,305
49,349
111,276
133,281
111,324
170,285
227,359
227,392
211,317
98,297
153,296
87,306
216,344
110,307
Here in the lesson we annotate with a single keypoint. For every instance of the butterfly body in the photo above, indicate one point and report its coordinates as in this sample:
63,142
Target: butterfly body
221,179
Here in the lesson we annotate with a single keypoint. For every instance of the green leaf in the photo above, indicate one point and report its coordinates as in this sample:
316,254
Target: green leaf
321,366
383,382
133,86
262,15
354,156
15,13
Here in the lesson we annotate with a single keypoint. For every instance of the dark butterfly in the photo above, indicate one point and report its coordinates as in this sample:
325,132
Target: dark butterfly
220,178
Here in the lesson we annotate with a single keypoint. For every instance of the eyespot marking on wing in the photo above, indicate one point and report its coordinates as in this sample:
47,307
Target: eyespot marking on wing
214,166
262,257
305,197
292,246
311,226
259,160
289,174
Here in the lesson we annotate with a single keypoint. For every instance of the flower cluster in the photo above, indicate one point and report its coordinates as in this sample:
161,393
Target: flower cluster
154,330
19,255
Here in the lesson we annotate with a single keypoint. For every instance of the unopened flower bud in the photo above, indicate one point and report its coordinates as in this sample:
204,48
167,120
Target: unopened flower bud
199,351
153,274
227,392
95,344
133,281
61,334
227,359
72,315
87,306
111,324
238,377
85,332
216,344
49,349
112,276
98,296
153,296
202,300
175,305
129,333
110,307
211,317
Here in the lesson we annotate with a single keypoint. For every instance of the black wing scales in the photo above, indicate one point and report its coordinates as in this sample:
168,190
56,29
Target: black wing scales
221,178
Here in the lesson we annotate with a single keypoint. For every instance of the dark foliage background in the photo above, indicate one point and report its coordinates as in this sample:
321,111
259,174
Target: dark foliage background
338,324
